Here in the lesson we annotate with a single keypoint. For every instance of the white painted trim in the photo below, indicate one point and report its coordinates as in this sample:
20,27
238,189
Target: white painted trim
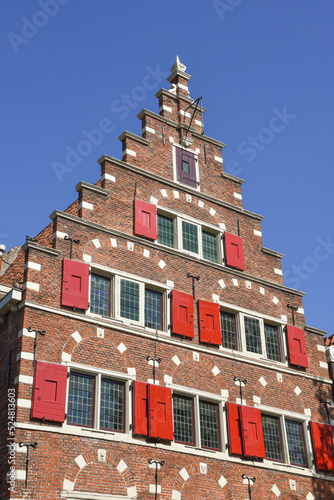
23,379
184,113
80,461
85,205
148,129
96,243
29,285
59,234
77,337
32,265
25,355
24,332
257,233
108,177
237,196
219,159
165,108
323,364
23,403
321,348
278,271
86,258
129,152
199,123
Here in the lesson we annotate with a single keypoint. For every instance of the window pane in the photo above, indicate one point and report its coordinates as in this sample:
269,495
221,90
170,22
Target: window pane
183,420
185,167
208,414
80,400
253,335
112,405
271,336
153,309
165,231
189,237
228,330
272,438
100,295
294,433
209,244
129,300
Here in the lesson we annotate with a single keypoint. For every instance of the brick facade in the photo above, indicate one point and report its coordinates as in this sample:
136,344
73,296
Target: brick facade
136,286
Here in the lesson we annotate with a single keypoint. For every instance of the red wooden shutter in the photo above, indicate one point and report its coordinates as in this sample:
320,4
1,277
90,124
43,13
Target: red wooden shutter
234,433
183,314
297,346
252,432
145,220
323,446
234,251
160,412
49,392
75,284
140,403
209,322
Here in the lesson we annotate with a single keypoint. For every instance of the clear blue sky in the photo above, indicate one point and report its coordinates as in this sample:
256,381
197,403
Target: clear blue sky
64,63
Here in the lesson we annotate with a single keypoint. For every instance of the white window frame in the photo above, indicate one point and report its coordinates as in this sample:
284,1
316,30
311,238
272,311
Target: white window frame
197,188
201,226
240,314
196,396
98,374
296,417
115,304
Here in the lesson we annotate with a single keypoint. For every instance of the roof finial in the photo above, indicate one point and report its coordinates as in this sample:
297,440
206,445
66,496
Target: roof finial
178,66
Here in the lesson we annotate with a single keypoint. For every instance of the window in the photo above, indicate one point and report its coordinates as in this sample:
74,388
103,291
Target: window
253,335
185,170
128,299
228,327
272,345
100,295
275,431
165,230
249,333
188,236
96,402
209,246
191,413
272,438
